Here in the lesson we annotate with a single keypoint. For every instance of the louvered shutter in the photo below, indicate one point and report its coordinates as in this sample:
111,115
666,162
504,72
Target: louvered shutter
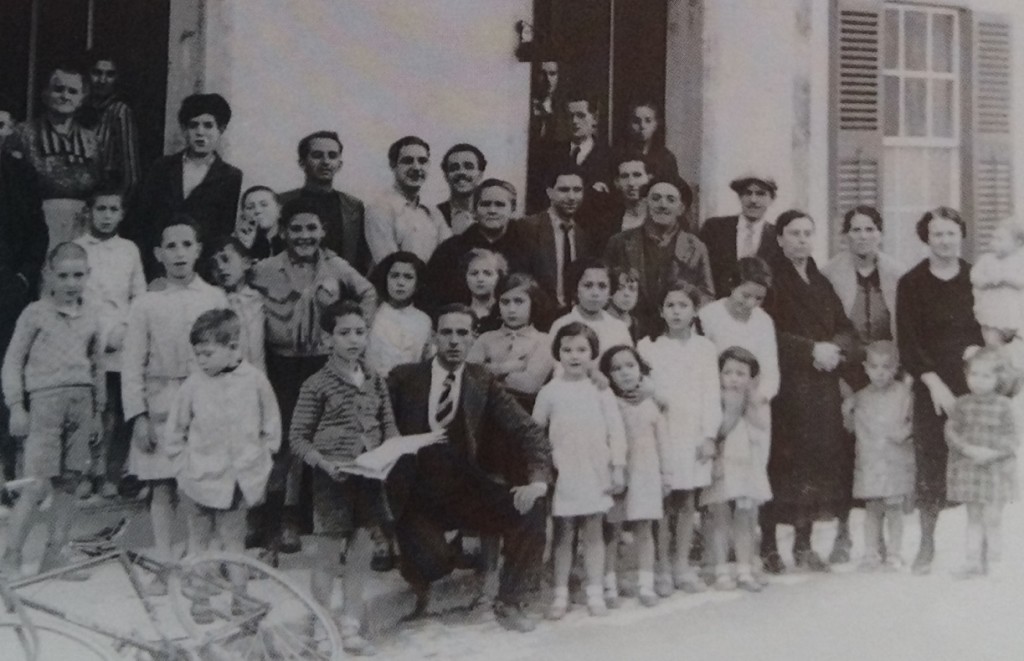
856,109
989,177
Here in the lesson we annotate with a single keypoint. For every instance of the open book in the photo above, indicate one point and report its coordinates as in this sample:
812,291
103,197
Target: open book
378,462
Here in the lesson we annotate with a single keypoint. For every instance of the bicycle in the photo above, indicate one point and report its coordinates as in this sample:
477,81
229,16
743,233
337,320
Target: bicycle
270,618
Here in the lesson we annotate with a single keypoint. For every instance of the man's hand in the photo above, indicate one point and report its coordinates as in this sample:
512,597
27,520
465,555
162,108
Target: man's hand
826,356
328,292
115,339
524,497
19,421
142,439
600,187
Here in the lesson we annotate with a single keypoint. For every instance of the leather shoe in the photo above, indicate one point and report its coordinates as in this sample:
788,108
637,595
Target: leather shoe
773,564
513,617
810,561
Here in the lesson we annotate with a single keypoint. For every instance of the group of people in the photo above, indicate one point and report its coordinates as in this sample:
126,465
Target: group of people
596,362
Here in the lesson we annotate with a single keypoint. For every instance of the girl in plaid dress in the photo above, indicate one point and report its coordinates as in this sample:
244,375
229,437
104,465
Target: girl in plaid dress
982,467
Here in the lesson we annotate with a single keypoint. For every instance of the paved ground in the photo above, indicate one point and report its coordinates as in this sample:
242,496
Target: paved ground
846,615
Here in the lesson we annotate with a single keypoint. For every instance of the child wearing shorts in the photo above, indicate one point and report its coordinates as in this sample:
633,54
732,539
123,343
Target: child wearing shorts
222,431
52,365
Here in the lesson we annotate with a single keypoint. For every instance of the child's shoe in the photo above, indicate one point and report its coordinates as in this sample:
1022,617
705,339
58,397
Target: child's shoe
352,641
808,560
690,583
108,491
724,582
84,489
870,563
648,599
773,564
894,563
596,606
611,598
558,608
664,586
54,559
746,581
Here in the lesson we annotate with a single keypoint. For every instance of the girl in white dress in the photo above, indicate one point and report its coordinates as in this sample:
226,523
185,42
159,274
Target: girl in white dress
685,380
739,476
400,332
588,446
647,446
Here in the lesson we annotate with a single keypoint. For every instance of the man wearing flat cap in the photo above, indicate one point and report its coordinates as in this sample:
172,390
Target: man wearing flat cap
749,234
196,181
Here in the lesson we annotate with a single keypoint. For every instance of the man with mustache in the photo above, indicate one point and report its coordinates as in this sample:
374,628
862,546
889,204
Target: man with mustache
399,220
342,215
463,166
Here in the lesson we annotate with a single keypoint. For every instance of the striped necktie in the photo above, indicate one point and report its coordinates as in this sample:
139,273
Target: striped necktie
445,403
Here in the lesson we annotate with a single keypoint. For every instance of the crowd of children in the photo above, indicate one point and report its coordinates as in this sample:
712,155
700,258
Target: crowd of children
644,434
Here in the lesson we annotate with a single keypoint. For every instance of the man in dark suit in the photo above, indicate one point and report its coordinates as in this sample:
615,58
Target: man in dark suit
452,484
554,238
729,238
463,166
342,215
23,241
195,182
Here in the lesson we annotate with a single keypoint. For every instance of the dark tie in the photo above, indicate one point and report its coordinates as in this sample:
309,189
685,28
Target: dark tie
574,154
566,258
445,404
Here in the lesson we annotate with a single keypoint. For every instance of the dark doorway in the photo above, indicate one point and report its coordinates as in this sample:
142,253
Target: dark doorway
134,31
614,50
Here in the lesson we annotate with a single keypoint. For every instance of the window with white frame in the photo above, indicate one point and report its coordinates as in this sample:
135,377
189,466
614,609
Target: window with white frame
921,82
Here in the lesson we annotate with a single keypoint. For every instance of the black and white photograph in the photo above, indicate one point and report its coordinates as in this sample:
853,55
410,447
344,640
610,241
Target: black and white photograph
511,329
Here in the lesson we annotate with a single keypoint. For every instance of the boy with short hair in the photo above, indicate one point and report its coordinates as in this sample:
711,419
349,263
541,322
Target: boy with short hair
52,362
222,430
230,264
115,280
157,358
343,410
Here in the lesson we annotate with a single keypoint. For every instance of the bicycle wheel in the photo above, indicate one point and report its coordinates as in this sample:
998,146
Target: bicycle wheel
270,618
23,630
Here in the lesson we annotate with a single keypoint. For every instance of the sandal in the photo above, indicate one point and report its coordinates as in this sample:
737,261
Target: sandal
352,642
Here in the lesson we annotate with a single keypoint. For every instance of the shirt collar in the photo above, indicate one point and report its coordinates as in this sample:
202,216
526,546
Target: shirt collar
440,373
556,220
398,198
335,366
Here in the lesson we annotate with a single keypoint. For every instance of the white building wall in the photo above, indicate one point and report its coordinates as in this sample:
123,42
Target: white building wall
374,71
766,103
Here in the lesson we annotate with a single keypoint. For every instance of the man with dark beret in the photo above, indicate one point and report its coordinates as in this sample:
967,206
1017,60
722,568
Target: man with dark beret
749,234
196,181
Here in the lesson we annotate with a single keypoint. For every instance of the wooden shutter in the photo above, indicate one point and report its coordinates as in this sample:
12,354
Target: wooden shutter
856,109
989,152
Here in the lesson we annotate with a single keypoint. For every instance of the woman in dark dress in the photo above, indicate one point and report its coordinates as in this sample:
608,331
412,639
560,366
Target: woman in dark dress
935,323
810,466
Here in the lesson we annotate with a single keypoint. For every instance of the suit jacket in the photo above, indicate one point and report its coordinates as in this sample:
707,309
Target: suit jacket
23,240
213,204
490,426
349,240
719,235
539,257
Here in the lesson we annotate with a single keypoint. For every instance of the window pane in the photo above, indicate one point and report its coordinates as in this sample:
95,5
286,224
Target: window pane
942,43
891,36
916,90
942,108
891,103
916,40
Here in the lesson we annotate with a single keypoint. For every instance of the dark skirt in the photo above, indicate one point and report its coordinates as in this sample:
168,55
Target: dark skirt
930,450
